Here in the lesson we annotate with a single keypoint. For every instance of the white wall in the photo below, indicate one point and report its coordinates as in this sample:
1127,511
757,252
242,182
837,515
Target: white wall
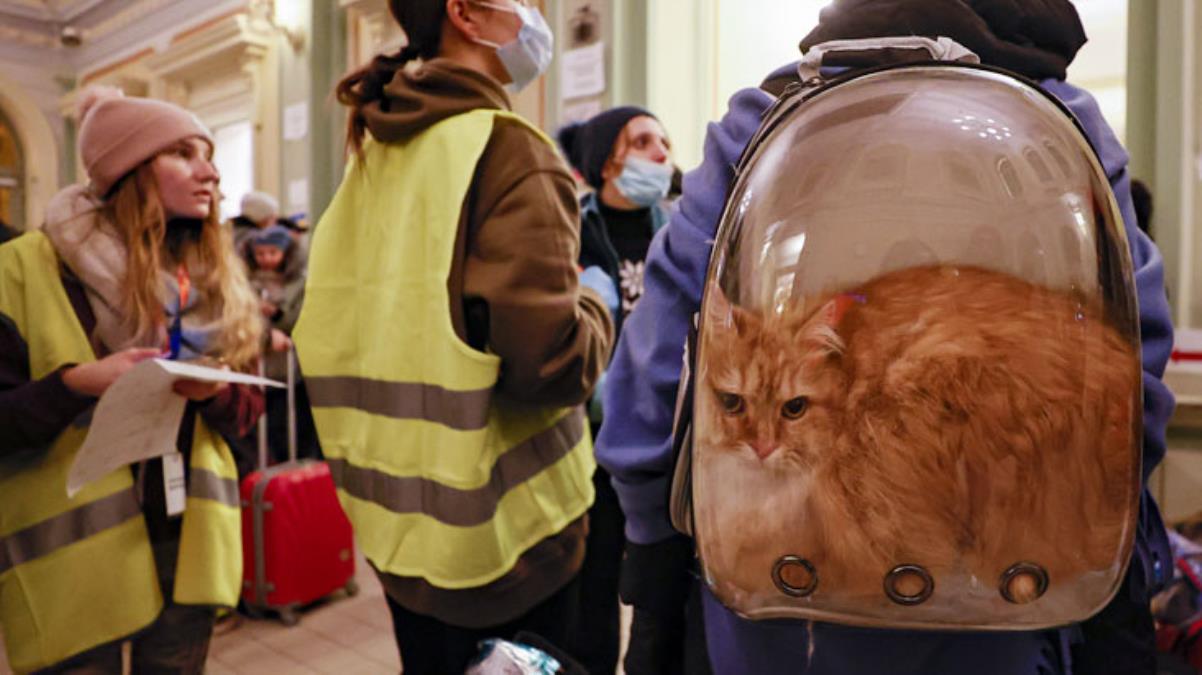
755,37
1101,65
702,51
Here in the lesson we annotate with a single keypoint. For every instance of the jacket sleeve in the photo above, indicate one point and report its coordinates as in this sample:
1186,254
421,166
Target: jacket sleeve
640,392
1155,328
234,412
552,335
294,297
32,412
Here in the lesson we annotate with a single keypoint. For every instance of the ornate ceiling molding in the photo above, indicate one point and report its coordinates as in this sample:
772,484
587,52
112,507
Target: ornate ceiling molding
39,23
52,11
134,12
28,37
232,39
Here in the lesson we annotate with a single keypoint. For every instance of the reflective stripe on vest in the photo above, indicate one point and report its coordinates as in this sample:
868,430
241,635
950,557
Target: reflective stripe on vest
452,506
204,484
442,479
67,528
76,573
403,400
209,568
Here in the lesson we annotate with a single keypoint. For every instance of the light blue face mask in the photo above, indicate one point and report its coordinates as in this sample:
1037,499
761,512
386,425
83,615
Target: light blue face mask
644,182
529,54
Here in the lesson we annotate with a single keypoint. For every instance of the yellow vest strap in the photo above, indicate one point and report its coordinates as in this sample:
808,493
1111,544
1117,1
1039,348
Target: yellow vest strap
462,410
452,506
205,484
67,528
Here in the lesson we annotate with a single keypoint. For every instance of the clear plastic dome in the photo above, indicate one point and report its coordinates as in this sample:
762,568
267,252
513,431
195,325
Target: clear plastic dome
918,378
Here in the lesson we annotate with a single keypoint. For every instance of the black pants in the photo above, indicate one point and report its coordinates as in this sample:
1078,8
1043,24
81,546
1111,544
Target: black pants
1119,639
597,637
669,645
429,646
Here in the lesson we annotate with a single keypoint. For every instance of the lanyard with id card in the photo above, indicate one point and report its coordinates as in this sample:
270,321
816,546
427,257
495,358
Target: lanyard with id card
174,485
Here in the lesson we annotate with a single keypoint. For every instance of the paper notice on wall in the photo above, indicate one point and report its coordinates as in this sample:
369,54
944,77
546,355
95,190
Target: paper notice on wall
138,417
582,71
298,195
296,121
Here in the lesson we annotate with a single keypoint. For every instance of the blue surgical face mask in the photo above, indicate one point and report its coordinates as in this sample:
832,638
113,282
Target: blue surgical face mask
529,54
644,182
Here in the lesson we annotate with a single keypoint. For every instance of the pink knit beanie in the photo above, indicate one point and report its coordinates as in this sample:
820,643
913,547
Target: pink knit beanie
117,133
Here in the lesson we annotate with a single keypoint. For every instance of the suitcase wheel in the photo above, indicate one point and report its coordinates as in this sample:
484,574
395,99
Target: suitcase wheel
351,588
253,612
289,616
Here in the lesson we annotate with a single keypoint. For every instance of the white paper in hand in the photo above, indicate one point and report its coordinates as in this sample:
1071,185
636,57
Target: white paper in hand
138,417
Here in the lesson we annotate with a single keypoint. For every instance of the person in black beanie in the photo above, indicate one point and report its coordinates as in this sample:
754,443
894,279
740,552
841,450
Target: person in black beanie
625,156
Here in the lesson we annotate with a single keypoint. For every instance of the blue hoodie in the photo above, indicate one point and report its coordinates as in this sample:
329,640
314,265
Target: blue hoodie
635,445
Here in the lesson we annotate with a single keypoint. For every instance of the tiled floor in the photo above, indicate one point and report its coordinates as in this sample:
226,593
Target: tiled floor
344,636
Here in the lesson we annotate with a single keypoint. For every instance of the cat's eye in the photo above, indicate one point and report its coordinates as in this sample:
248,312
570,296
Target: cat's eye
795,408
732,404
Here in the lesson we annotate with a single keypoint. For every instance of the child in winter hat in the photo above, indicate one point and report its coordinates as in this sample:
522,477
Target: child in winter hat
259,207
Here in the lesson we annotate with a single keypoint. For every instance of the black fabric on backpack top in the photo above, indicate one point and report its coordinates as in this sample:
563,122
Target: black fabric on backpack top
1035,38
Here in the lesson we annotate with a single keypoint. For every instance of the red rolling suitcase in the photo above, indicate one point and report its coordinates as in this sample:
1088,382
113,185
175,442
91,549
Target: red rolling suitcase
297,543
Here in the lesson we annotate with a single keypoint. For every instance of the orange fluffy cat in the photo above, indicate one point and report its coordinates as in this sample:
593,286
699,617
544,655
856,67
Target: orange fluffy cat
955,418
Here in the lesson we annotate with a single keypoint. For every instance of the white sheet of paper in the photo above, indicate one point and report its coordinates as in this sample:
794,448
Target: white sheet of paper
582,72
138,417
296,121
298,195
182,370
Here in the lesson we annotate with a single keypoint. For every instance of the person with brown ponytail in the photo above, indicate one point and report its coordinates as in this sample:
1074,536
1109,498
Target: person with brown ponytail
447,339
128,267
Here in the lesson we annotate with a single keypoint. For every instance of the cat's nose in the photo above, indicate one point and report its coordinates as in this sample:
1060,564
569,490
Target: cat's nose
763,448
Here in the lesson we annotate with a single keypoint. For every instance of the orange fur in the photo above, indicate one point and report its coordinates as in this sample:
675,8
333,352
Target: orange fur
956,418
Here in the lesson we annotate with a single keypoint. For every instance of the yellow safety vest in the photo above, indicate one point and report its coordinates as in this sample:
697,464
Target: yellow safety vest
77,573
442,479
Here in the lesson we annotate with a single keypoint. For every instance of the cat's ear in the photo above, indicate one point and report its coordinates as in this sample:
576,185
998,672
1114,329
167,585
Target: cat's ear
822,328
717,307
721,315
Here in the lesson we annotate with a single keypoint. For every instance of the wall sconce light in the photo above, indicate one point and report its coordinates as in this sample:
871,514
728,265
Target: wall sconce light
70,36
287,17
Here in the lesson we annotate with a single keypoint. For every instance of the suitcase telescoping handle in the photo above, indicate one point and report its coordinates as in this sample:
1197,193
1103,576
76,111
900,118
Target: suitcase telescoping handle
291,359
263,418
291,402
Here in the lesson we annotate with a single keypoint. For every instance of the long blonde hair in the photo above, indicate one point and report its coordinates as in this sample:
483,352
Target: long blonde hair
135,208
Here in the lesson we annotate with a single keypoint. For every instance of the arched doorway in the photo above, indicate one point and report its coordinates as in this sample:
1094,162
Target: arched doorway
12,177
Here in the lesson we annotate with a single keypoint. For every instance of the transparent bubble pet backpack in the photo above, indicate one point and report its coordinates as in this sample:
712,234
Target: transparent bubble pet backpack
914,395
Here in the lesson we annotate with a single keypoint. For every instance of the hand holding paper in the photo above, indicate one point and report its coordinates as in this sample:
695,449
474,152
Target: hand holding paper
94,378
138,417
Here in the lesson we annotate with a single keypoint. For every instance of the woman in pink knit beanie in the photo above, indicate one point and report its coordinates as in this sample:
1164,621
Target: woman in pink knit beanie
130,266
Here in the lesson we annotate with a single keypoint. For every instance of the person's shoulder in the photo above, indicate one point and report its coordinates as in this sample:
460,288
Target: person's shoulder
519,144
31,243
1085,108
25,258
